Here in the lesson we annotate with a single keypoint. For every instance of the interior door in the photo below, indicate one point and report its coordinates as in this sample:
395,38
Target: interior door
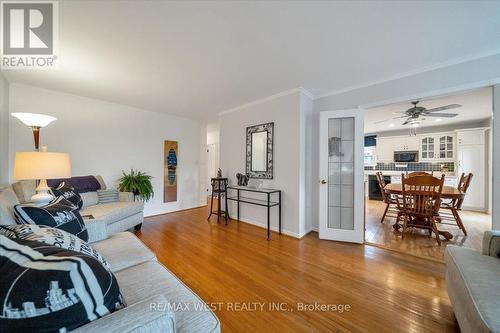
341,176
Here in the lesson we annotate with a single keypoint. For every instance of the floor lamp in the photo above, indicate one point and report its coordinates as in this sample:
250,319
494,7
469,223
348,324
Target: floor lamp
35,121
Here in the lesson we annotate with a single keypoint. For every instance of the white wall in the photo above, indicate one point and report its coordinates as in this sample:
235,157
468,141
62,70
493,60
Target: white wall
495,225
286,111
105,138
4,130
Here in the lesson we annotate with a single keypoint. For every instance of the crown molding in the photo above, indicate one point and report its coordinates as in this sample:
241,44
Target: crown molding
429,68
269,98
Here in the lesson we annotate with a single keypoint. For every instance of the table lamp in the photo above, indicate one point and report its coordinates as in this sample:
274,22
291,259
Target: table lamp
41,166
35,121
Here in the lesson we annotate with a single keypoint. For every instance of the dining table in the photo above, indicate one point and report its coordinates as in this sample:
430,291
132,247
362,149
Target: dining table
448,193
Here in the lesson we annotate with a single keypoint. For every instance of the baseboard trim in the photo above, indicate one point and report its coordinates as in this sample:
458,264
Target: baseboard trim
177,211
273,228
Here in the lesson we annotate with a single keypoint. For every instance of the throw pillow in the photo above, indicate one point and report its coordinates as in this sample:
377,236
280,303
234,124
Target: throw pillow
107,196
68,193
51,236
49,289
59,213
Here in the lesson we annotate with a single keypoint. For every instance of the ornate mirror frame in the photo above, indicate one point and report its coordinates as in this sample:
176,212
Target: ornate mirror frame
269,128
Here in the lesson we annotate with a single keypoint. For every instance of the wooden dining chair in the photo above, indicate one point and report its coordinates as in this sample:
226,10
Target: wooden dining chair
420,203
451,208
419,173
391,209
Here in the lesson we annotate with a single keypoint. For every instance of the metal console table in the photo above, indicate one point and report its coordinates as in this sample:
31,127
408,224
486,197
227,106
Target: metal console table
258,202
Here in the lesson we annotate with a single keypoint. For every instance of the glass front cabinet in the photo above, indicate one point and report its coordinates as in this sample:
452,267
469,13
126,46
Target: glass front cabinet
437,147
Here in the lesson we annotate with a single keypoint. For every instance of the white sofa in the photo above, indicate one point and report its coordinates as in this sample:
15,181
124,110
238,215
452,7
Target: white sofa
119,216
147,286
473,281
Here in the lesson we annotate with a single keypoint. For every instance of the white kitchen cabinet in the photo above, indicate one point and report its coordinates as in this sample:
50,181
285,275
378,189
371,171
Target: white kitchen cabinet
406,143
437,147
427,148
471,137
471,156
385,149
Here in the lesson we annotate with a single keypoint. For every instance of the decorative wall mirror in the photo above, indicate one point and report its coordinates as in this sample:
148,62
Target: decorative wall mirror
259,163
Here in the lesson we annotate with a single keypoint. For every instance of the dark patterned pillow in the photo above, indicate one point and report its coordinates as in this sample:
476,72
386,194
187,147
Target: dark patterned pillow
59,213
68,193
49,289
51,236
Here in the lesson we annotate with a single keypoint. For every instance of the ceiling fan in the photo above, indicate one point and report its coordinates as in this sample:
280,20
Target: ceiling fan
415,115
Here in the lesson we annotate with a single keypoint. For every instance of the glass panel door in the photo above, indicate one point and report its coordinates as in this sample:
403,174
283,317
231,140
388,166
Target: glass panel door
341,170
340,165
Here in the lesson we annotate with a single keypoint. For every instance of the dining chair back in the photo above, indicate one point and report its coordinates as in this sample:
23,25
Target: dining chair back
463,185
391,209
418,173
420,203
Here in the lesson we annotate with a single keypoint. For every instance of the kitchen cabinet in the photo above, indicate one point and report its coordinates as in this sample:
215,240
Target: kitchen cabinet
386,146
471,137
385,149
406,143
437,147
471,156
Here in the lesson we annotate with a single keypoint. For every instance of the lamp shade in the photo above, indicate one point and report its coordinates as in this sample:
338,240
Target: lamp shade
41,165
34,119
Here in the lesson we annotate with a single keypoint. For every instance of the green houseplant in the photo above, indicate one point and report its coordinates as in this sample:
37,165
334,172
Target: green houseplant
137,182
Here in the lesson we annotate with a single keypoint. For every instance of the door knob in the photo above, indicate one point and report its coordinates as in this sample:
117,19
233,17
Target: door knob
323,182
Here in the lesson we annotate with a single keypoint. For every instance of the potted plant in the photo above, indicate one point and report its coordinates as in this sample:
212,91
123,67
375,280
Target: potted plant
137,182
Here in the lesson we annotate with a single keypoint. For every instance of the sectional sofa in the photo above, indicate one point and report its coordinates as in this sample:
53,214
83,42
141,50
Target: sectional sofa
157,301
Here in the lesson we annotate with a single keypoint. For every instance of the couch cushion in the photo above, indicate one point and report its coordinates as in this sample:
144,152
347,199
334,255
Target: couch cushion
112,212
8,200
152,278
89,199
474,289
123,250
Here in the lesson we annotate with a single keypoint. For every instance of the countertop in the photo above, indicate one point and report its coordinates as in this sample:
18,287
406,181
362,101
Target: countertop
399,172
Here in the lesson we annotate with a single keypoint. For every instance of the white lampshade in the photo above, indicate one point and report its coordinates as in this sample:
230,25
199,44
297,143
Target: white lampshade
41,165
34,119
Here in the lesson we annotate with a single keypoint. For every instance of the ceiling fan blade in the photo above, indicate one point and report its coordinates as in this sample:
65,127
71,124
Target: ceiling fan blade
382,121
445,107
442,115
407,121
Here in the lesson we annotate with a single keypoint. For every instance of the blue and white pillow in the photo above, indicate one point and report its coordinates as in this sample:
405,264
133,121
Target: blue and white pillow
59,213
68,193
49,289
51,236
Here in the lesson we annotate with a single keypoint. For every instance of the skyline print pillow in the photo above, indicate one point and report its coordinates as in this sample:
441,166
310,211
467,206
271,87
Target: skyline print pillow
51,236
50,289
59,213
68,192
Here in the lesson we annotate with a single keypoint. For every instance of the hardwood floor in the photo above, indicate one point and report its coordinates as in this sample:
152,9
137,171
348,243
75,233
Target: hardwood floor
386,291
417,241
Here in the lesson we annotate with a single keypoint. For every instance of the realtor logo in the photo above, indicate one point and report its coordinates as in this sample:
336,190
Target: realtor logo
28,34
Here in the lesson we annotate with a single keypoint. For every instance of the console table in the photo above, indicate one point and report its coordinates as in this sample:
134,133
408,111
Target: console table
258,202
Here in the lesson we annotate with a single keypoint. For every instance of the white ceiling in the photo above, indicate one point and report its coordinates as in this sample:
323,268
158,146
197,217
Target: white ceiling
196,59
476,105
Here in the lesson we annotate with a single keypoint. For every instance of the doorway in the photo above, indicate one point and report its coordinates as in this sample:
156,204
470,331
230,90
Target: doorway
455,138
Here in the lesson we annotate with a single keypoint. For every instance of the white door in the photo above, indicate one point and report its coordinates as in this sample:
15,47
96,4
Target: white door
341,176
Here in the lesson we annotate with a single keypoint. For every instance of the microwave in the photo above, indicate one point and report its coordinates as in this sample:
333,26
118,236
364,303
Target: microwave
406,156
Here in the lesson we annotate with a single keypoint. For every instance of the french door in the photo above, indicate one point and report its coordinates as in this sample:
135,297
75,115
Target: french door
341,142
